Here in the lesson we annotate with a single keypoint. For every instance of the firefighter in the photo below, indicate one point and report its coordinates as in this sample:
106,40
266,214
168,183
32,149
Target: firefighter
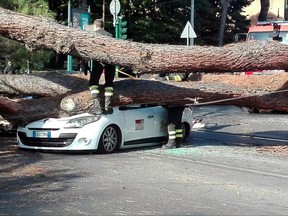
97,69
174,118
174,113
174,126
178,77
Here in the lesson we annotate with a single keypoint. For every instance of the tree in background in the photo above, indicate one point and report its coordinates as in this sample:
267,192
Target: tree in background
231,20
163,21
224,5
265,4
150,21
16,52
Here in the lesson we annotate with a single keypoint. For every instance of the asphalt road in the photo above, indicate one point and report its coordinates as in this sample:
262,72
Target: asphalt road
209,176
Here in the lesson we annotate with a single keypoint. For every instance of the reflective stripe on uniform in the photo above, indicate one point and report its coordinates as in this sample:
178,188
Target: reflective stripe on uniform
167,78
172,134
108,88
172,137
108,94
177,78
179,133
108,91
94,89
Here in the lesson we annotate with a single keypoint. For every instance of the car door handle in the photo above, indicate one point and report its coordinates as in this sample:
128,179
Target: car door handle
150,116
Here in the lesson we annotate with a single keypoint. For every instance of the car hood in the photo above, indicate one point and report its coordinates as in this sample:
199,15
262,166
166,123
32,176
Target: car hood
54,122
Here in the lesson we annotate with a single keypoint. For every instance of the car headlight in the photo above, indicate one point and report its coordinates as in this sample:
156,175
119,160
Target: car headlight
80,122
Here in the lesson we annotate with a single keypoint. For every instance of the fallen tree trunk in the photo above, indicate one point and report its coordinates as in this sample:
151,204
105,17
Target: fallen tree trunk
56,94
39,33
63,95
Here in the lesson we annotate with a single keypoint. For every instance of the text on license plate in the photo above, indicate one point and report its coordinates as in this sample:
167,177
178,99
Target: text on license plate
41,134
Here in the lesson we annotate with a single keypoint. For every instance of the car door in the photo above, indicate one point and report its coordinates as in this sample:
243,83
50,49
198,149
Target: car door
160,121
139,124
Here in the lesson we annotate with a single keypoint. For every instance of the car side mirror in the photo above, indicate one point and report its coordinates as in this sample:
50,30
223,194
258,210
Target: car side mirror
240,37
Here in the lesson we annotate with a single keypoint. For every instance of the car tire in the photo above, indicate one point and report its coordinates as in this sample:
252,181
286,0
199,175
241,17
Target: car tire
186,130
110,140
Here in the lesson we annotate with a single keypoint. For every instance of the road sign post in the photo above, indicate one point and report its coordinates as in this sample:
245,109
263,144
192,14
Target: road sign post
188,32
115,9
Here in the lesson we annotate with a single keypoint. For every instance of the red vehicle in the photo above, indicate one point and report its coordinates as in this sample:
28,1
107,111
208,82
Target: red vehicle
266,31
277,30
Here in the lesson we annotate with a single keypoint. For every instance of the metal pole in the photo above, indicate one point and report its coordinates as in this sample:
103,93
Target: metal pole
192,20
103,12
188,38
69,57
117,23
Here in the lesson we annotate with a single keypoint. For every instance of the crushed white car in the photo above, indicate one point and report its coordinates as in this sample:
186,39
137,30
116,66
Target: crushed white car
127,127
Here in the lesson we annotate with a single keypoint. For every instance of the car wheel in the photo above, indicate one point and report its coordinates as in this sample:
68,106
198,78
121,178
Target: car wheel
110,140
186,130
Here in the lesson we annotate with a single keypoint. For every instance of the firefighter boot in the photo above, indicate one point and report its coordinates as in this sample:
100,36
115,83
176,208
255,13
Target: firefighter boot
172,140
94,90
96,107
108,96
171,144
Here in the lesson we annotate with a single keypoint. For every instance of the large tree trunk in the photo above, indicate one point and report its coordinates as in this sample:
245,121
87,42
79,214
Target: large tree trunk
71,95
38,32
61,95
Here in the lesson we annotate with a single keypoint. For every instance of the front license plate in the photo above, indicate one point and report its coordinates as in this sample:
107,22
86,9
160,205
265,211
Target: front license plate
41,134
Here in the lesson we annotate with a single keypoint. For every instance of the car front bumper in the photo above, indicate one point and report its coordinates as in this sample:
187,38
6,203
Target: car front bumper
68,139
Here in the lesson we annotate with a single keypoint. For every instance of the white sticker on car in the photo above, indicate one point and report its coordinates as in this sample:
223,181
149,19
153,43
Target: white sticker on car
139,124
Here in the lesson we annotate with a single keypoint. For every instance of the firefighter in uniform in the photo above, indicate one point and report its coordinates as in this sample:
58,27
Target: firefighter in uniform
174,119
174,76
97,69
174,126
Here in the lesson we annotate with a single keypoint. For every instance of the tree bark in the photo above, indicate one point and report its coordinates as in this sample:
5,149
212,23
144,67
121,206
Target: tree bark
38,33
64,95
57,94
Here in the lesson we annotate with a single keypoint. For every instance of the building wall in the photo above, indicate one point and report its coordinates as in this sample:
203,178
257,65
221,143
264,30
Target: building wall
277,7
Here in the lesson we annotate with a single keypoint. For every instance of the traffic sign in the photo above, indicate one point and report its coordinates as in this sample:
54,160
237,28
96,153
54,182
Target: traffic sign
188,31
115,9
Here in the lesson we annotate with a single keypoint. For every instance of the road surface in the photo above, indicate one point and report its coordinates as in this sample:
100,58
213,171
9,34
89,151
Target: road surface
209,176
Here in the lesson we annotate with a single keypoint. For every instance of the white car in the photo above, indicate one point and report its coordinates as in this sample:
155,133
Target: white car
127,127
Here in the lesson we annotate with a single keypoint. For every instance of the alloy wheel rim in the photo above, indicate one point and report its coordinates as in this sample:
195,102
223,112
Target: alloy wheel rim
110,139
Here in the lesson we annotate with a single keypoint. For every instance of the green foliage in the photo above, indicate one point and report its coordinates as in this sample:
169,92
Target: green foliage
235,21
15,51
155,22
33,7
162,21
150,21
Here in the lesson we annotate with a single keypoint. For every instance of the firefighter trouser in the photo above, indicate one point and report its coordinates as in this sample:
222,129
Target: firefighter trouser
174,122
96,72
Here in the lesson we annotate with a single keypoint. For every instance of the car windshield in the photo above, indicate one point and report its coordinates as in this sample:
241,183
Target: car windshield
265,36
